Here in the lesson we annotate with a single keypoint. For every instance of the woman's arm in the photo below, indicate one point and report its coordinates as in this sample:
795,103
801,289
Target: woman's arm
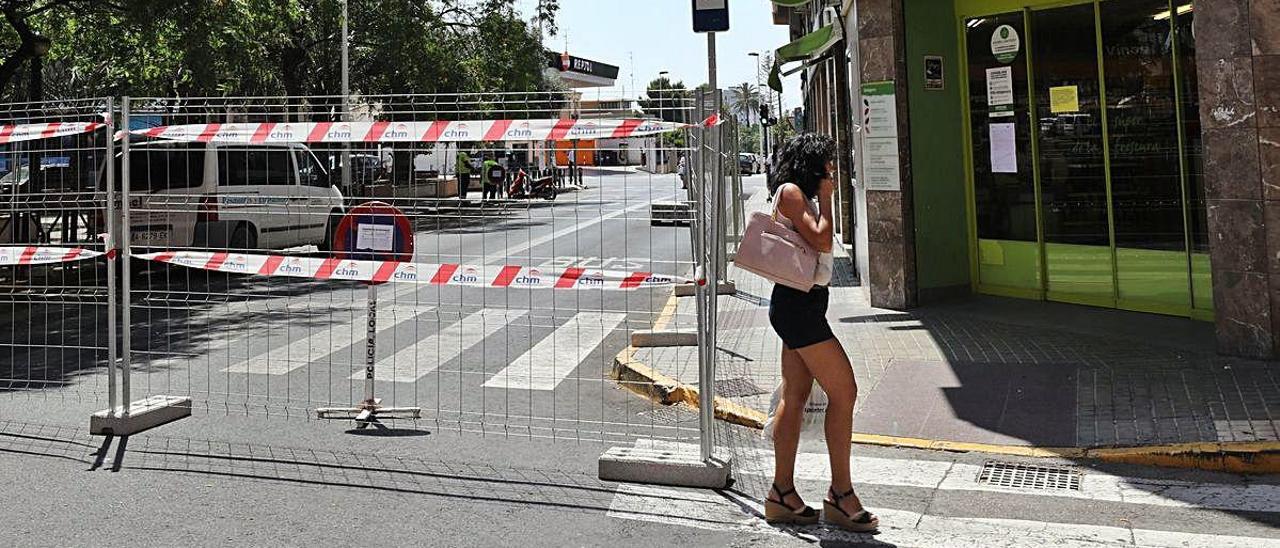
815,230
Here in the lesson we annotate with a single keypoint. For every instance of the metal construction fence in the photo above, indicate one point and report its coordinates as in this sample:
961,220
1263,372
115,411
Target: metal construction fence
56,278
472,262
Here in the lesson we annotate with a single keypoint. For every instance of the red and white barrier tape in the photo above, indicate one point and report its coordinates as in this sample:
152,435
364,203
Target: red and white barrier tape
44,255
509,276
31,132
411,132
713,120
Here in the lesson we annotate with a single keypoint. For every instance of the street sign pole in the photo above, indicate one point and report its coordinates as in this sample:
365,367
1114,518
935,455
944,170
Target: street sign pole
372,231
706,392
684,468
346,100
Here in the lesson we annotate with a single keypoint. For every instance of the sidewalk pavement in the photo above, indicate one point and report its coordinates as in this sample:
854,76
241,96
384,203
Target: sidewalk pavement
998,375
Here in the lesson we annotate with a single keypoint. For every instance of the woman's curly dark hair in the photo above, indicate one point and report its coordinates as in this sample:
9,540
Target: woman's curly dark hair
803,161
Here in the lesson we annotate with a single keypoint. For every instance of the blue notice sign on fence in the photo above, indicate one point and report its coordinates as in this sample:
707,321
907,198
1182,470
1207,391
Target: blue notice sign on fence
141,121
55,161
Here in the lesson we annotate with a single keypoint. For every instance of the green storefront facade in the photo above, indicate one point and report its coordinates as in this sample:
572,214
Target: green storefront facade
1060,150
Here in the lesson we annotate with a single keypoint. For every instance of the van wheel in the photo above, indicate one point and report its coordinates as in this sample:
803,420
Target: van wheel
330,233
243,238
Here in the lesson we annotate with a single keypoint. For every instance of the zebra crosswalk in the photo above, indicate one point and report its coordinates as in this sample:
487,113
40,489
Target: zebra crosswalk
426,355
549,362
417,342
299,352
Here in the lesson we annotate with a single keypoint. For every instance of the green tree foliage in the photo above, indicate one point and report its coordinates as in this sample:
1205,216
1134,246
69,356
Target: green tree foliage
671,102
667,100
271,47
749,138
744,102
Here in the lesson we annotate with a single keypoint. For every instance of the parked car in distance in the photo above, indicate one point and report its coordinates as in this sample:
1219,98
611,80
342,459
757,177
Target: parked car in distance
238,197
750,163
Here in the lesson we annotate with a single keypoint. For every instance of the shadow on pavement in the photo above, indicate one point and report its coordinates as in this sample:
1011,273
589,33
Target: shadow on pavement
358,470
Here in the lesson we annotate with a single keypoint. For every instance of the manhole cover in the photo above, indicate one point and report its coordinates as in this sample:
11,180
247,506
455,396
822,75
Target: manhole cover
737,387
1029,476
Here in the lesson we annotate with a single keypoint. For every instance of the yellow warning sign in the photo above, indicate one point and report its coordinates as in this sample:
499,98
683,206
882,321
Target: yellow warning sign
1064,99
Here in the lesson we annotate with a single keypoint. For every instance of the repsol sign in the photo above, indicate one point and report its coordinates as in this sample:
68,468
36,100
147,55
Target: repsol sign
564,62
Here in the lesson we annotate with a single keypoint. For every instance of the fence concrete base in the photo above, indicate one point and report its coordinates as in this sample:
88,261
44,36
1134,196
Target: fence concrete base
689,290
680,468
143,415
647,338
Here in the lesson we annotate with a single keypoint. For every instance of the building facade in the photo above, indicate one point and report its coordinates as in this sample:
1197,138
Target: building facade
1108,153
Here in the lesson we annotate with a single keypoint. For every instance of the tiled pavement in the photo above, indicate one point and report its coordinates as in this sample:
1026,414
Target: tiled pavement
1004,371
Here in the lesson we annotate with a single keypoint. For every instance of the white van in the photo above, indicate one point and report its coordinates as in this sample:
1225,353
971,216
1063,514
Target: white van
193,195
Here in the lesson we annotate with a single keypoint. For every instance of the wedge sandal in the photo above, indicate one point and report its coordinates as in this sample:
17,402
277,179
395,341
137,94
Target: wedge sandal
832,513
777,511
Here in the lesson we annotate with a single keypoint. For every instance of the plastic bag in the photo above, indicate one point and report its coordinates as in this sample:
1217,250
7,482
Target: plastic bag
815,409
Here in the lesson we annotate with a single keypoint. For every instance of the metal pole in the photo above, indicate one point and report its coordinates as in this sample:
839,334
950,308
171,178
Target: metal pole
719,238
706,370
126,357
739,219
371,345
346,100
764,130
113,349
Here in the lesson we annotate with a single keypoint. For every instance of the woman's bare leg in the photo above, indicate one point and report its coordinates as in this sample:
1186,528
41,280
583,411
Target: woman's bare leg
787,421
829,364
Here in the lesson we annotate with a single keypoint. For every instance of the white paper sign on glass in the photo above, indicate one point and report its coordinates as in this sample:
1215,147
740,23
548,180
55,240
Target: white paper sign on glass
1004,148
999,86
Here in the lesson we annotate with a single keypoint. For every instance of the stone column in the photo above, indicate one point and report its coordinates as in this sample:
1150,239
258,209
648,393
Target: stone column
890,221
1238,64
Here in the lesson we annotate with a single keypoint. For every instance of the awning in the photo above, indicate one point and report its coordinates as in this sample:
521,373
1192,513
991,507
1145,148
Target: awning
806,49
791,3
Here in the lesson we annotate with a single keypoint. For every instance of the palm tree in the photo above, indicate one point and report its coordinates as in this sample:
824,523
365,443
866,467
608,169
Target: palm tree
745,99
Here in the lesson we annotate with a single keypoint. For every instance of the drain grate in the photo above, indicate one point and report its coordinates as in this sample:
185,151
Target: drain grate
738,387
1029,476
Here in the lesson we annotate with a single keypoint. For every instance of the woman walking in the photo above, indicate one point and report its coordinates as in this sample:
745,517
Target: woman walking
809,349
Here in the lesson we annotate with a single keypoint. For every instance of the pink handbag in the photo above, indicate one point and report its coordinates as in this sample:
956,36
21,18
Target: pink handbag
776,252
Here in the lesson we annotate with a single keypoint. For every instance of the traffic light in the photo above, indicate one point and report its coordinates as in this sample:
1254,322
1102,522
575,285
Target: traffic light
764,114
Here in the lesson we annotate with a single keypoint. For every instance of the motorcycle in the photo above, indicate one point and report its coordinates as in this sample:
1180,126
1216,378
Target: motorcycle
523,187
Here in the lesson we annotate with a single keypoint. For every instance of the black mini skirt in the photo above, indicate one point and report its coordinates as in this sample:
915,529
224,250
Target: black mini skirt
800,318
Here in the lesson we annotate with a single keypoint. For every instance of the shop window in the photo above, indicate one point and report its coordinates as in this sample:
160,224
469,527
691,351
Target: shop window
1073,184
1142,125
1004,192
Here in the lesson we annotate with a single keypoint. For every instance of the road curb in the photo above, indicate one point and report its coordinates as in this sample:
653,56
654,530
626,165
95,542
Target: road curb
641,379
1262,457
